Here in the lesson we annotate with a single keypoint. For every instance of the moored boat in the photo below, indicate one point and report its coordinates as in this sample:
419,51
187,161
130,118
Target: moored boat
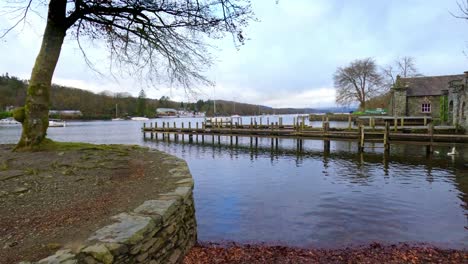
139,118
9,121
57,123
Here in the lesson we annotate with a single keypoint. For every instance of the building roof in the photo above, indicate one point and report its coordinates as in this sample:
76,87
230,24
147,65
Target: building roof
430,85
166,110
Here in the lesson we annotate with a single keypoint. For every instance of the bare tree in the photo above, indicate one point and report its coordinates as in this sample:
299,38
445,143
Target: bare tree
357,82
404,67
167,37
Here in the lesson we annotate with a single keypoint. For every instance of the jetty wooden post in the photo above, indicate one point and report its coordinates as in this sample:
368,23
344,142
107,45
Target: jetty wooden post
395,124
372,121
152,131
326,146
387,137
425,120
281,121
156,128
294,123
361,138
429,148
251,123
268,121
303,123
144,130
349,121
402,121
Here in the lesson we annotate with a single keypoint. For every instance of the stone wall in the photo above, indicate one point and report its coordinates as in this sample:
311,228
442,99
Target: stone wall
415,103
161,230
399,107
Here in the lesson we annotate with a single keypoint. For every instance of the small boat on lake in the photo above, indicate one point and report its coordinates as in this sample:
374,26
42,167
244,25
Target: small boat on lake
139,118
9,121
116,116
57,123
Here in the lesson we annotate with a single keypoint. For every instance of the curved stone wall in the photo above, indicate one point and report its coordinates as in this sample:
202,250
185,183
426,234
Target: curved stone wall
161,230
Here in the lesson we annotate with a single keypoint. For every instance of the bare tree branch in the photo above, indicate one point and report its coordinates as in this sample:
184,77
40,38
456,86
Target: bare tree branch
357,82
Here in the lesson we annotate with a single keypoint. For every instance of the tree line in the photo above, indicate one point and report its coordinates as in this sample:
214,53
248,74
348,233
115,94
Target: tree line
107,105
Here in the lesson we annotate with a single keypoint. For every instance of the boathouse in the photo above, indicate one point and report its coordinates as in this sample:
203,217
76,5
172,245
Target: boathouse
443,98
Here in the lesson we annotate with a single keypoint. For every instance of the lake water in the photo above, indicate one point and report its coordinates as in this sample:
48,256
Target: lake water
280,196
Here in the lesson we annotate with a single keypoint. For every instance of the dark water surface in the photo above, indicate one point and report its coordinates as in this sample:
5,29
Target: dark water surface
312,199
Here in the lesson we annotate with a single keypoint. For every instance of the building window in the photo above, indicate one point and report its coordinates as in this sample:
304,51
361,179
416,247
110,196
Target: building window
426,108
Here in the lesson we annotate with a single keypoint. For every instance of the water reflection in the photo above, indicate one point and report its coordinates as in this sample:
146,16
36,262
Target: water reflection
318,195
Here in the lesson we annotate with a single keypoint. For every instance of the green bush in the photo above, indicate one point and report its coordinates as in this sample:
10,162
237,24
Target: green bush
5,115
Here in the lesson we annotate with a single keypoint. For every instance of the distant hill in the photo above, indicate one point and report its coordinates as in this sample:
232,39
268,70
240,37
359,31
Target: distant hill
103,105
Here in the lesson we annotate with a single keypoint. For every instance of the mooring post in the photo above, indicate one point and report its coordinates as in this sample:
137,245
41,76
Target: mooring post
268,121
144,130
349,121
251,123
281,121
261,122
303,123
326,146
152,131
361,138
429,148
294,123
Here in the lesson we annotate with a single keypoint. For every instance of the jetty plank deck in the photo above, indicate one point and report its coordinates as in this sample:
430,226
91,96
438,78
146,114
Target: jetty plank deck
387,134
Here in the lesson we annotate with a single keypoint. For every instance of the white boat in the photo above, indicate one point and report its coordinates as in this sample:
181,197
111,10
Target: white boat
223,120
57,123
117,118
139,118
9,121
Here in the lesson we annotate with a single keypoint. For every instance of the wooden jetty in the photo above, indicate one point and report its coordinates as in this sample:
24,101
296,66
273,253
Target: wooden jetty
392,132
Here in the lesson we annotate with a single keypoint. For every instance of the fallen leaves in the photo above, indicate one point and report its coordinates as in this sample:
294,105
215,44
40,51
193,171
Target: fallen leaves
373,253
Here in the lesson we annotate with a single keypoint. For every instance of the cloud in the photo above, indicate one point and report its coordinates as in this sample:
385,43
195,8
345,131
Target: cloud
291,54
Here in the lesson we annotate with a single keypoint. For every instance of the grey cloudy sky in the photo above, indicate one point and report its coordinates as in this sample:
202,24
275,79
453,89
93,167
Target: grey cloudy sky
291,54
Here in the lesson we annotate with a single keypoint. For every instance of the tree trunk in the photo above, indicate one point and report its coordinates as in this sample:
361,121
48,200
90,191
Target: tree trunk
36,110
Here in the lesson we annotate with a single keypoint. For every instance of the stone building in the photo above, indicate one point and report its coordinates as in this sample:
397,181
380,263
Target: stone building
443,98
